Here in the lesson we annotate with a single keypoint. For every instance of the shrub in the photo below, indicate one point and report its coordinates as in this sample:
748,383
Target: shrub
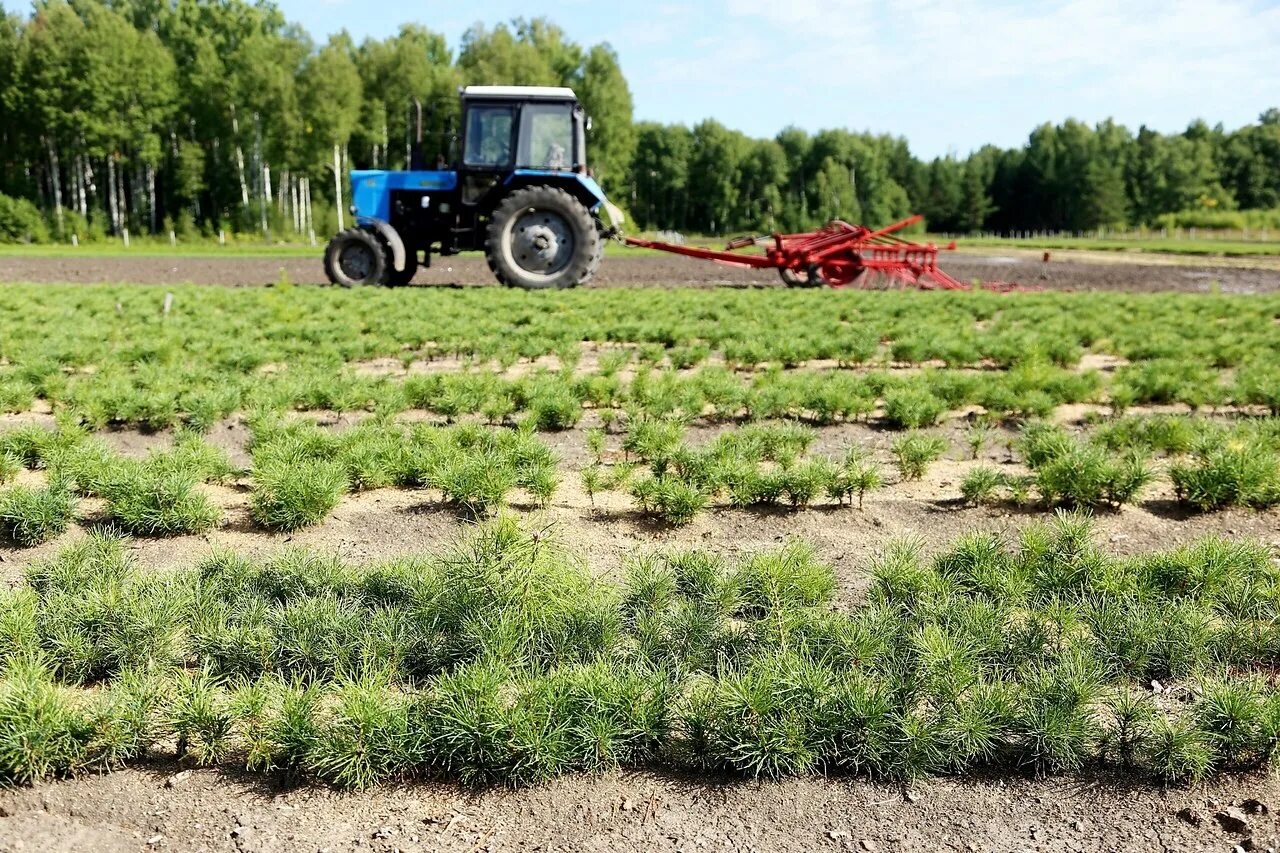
914,452
32,516
21,222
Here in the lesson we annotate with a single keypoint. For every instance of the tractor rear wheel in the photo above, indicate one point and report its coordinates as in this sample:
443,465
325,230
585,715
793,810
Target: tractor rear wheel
542,237
355,258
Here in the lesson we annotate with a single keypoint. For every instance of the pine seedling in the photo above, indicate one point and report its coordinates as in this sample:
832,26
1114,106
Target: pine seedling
1230,713
806,481
10,465
365,737
288,495
976,437
31,516
593,481
595,443
914,452
858,475
202,719
159,502
1132,717
912,408
1178,751
981,484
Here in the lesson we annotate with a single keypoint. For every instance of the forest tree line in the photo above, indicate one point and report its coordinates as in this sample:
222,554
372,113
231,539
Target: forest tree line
198,116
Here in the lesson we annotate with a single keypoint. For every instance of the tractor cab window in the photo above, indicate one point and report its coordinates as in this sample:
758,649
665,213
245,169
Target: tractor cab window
489,136
546,137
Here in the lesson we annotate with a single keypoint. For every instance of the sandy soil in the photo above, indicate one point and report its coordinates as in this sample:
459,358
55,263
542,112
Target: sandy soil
651,270
162,807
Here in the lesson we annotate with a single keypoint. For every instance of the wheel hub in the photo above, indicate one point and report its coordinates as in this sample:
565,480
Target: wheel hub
356,261
541,242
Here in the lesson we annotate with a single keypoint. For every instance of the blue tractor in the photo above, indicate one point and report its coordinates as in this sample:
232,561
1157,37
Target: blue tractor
519,191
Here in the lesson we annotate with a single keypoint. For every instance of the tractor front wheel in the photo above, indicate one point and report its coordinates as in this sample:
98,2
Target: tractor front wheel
355,258
542,237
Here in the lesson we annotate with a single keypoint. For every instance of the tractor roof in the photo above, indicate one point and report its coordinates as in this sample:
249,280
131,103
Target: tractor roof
523,93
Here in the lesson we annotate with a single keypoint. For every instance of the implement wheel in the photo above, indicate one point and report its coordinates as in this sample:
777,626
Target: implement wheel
542,237
798,278
355,258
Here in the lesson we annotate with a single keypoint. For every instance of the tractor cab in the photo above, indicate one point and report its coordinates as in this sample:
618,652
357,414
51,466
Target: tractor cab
519,190
525,130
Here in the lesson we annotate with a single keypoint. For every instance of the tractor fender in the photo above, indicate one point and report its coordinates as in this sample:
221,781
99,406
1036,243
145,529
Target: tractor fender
391,236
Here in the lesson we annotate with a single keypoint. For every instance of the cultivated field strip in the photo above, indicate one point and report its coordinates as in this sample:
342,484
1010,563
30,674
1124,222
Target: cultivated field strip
502,660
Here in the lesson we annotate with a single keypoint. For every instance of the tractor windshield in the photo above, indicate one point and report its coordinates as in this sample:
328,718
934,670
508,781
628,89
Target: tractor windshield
489,136
546,137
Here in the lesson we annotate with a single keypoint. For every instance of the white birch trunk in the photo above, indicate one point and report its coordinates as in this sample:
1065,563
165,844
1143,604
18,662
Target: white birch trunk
337,183
244,186
113,201
57,181
151,195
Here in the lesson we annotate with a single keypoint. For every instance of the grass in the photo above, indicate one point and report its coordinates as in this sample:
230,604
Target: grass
503,660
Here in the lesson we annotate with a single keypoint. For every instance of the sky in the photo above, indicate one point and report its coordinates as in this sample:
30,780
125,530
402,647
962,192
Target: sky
949,75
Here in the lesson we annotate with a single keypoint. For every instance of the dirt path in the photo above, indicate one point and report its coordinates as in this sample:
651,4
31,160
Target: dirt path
163,808
641,270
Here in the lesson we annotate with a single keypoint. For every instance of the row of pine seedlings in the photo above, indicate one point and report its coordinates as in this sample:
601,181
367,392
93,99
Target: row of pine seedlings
300,471
504,660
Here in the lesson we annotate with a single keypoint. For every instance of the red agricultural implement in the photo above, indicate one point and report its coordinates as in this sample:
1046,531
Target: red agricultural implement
837,254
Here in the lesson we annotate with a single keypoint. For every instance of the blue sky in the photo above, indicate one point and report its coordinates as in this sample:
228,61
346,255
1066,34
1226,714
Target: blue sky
950,75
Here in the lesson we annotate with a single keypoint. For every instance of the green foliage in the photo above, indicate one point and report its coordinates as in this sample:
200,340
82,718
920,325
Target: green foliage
21,222
981,485
43,730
